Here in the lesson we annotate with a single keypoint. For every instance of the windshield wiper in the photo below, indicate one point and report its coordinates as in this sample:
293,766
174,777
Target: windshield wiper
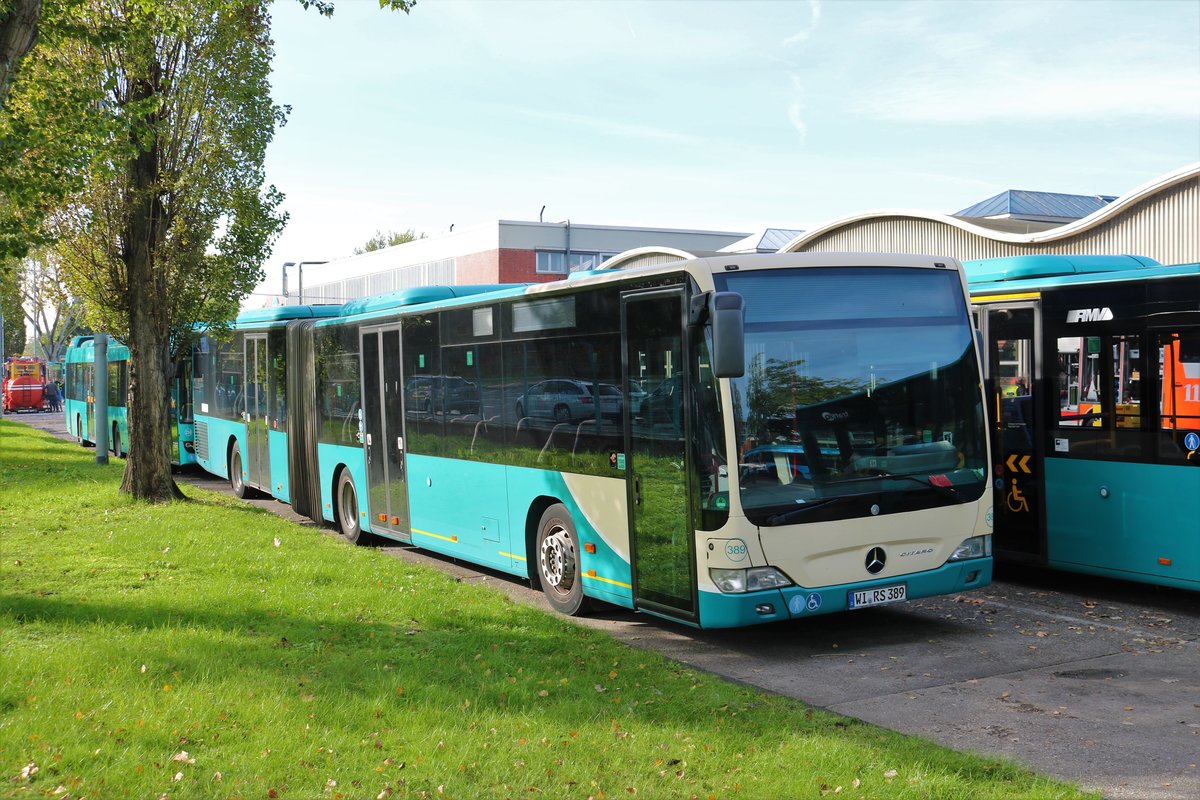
797,513
947,491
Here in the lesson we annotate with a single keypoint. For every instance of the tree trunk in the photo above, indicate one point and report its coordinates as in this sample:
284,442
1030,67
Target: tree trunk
18,35
148,468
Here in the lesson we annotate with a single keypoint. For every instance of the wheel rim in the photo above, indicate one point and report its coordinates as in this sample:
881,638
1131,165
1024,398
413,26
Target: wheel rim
235,472
562,414
348,504
557,560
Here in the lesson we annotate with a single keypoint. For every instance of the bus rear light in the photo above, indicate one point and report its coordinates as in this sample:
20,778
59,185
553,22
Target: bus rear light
588,547
1166,562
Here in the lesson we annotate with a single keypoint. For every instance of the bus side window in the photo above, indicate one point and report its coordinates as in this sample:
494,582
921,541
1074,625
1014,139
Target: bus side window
1127,379
1179,403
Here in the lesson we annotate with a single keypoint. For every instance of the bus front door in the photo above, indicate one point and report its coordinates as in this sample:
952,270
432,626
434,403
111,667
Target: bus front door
661,534
257,458
387,483
1012,388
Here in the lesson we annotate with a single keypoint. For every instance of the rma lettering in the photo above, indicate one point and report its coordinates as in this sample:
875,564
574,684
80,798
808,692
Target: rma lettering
1089,315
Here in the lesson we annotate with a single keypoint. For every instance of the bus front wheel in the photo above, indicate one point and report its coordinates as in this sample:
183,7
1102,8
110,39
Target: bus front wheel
558,561
347,509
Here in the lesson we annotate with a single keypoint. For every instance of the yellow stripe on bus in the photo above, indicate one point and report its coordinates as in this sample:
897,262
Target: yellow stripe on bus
996,298
452,539
512,555
591,575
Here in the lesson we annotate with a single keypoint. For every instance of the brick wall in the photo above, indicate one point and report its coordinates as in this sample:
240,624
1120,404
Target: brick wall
520,266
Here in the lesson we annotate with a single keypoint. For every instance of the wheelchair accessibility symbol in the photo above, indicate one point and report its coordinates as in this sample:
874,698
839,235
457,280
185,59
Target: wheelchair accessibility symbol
798,603
1016,499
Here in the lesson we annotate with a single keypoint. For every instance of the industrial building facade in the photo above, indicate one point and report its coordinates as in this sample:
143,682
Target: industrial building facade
497,252
1158,220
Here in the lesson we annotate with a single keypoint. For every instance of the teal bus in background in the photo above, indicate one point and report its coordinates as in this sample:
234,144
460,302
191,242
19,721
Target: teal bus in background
1092,370
79,399
722,442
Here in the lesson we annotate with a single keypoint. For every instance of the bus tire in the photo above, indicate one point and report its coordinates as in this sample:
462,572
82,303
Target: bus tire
79,433
557,553
236,481
346,504
116,441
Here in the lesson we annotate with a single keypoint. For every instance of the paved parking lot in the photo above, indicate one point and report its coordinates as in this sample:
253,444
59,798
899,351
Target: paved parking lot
1090,680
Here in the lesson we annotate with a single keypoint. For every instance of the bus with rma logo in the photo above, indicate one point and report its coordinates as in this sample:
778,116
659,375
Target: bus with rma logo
1093,375
807,434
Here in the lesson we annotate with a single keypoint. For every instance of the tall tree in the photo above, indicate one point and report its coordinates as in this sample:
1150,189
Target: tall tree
151,119
390,239
171,225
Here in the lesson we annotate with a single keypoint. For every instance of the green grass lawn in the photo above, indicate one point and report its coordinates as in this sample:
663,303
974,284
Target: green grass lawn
207,649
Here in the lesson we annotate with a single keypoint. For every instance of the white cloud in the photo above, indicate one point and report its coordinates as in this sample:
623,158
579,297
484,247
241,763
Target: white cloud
814,9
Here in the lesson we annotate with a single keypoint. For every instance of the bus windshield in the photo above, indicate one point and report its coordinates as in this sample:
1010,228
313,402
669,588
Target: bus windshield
861,384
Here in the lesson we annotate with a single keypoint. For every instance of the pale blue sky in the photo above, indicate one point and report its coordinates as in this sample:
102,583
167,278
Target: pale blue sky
715,115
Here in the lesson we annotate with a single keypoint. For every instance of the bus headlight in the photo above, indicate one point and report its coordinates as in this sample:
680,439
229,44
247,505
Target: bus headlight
755,579
975,547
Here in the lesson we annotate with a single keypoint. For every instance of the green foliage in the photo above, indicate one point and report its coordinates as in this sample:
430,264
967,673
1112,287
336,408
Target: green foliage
14,315
211,650
381,240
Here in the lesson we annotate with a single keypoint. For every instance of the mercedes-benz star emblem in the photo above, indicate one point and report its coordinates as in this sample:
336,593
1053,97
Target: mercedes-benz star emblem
876,558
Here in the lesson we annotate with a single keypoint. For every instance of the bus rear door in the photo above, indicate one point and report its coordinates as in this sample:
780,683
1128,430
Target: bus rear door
257,451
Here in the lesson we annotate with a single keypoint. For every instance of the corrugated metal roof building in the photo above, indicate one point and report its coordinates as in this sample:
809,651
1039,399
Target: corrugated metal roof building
1036,206
1160,220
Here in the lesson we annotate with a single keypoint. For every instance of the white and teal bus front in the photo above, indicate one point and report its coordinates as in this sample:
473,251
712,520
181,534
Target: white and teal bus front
860,441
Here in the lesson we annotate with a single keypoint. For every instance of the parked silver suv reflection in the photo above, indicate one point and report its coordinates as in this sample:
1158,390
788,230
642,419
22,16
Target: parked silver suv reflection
565,400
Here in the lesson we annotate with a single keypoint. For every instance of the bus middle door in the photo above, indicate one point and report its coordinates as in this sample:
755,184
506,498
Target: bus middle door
383,407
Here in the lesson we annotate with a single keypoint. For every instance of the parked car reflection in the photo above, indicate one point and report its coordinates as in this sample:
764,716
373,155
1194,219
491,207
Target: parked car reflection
442,394
566,400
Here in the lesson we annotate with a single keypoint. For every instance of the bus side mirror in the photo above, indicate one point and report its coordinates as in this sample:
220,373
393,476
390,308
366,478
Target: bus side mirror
727,317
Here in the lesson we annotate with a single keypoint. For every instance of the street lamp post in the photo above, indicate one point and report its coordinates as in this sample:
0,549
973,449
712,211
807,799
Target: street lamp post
299,265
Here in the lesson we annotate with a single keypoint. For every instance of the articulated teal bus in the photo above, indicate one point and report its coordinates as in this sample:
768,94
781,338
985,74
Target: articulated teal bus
721,441
79,399
1093,376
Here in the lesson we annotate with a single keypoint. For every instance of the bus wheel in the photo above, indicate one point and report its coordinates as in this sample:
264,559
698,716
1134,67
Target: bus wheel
236,482
79,433
347,509
116,441
558,561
